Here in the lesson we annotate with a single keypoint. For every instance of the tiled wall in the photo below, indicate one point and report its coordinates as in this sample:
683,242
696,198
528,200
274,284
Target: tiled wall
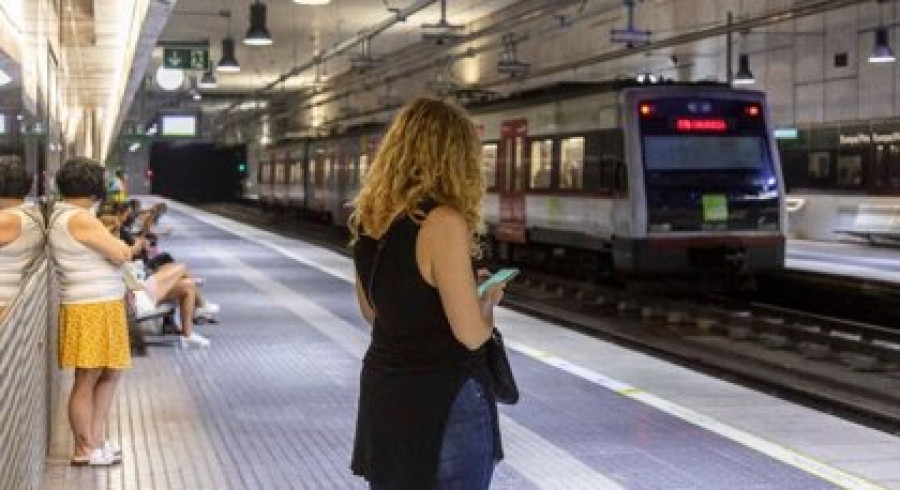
26,359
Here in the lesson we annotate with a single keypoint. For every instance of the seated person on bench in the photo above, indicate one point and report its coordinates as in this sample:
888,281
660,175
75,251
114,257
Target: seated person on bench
173,282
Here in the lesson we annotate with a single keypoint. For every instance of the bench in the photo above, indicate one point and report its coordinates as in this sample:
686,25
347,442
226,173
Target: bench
149,323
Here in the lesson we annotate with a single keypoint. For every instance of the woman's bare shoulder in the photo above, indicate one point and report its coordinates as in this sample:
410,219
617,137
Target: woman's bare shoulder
10,221
445,218
10,227
82,219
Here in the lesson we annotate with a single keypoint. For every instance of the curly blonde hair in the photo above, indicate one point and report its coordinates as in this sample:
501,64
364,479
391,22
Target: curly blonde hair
431,152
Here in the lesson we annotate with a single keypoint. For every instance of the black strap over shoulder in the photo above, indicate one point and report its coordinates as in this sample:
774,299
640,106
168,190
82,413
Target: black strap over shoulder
370,286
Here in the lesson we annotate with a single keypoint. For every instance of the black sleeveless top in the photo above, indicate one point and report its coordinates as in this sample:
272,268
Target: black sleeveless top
413,368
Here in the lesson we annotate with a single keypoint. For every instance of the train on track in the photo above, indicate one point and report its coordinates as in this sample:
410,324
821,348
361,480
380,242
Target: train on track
598,177
843,180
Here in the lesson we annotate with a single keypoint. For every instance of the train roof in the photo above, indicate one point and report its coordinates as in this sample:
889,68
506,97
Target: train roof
569,90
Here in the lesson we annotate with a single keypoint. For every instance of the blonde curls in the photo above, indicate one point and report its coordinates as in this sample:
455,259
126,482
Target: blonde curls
430,152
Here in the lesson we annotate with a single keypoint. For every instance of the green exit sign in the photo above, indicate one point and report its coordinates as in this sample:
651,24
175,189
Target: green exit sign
186,58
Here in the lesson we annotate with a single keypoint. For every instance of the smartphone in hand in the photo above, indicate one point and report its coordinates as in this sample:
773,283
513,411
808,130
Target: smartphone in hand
499,277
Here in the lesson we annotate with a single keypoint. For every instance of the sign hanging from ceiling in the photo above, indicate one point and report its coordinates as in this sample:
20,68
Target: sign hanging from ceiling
186,58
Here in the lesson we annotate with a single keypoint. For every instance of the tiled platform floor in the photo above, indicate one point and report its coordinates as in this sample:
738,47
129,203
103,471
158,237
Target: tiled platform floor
271,404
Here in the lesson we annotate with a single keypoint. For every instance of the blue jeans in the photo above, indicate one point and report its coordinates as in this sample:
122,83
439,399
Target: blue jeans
467,453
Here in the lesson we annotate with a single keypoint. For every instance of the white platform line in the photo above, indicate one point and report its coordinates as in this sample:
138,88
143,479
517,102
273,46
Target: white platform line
788,456
808,464
532,456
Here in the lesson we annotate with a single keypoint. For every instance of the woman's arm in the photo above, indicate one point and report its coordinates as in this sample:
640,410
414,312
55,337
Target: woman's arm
91,232
10,228
444,261
364,307
138,246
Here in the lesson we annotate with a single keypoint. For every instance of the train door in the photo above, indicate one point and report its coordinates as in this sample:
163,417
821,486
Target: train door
288,175
511,189
296,193
342,172
316,177
281,164
326,185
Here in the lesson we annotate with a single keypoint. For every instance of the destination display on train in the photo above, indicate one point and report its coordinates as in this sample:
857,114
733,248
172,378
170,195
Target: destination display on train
702,117
689,125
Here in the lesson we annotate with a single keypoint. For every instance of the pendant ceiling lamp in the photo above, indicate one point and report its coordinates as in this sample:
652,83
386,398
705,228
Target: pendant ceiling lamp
744,76
258,34
882,53
228,63
208,80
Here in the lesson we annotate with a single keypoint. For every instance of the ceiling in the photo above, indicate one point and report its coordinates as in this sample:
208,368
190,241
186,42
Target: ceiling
95,32
299,31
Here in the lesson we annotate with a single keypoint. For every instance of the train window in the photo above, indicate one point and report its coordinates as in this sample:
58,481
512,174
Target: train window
326,173
819,166
296,172
603,153
849,171
571,170
489,164
363,166
318,177
887,167
621,183
541,164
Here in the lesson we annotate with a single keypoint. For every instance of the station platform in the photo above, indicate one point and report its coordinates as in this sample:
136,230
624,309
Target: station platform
850,259
271,403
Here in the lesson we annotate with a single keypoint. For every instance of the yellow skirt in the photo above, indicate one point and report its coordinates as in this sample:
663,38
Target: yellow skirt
94,335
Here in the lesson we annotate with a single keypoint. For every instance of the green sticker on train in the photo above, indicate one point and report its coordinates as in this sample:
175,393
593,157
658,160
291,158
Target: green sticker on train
715,207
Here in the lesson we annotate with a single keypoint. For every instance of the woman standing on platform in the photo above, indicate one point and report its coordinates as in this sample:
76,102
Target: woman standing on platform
427,418
93,334
21,232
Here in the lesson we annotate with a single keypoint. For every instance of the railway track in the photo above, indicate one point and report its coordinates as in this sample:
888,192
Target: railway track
850,368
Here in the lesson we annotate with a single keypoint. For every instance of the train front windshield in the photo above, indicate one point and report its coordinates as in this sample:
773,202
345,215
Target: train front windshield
707,166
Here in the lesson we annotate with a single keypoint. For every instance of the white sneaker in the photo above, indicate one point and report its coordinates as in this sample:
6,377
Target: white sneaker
98,457
110,448
195,340
208,310
111,452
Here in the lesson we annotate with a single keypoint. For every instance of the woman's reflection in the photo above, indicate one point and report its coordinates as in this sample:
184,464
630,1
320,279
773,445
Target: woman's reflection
21,234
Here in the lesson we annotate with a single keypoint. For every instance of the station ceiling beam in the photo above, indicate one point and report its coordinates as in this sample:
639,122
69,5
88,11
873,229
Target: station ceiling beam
782,15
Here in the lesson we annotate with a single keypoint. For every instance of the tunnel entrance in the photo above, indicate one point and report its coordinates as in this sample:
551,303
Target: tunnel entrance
197,172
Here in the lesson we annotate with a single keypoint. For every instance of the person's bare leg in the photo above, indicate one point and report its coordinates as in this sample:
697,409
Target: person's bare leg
81,411
103,396
185,292
167,278
200,301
